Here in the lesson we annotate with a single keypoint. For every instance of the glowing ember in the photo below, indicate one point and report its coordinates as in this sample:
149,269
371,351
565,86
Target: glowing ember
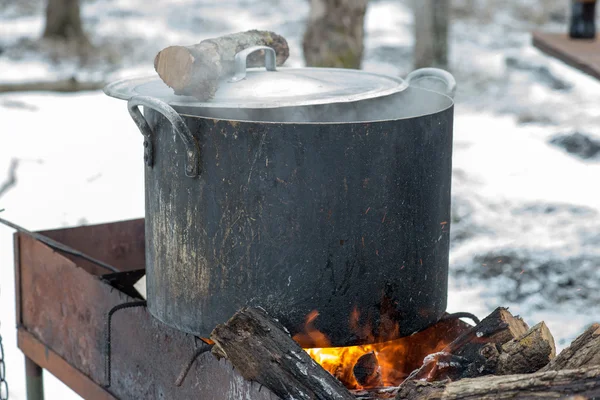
396,358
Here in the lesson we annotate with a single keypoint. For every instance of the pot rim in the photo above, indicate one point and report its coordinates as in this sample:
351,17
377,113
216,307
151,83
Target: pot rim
325,86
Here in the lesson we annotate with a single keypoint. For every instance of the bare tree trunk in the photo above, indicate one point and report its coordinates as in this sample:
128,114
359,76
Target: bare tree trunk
63,21
431,33
334,36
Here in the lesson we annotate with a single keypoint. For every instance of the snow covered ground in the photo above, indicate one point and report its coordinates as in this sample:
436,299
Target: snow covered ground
526,213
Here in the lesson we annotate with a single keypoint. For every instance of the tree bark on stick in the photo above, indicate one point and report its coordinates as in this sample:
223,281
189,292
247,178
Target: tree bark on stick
63,21
335,32
584,383
261,350
431,33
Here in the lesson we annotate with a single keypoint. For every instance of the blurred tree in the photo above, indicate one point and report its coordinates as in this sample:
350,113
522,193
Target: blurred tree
63,21
431,33
334,36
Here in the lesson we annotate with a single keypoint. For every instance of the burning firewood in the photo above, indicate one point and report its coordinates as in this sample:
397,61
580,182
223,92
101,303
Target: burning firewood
476,352
262,350
396,358
500,344
196,70
575,371
367,371
440,366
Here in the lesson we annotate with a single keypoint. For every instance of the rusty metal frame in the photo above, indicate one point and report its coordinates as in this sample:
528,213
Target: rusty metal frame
38,354
47,359
61,307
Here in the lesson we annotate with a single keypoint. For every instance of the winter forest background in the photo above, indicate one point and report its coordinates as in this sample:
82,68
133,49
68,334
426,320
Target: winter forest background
526,196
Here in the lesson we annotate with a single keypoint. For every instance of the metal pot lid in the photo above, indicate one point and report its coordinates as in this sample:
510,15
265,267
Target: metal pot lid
273,88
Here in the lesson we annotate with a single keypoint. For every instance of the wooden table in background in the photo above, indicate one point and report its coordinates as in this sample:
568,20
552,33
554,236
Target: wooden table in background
583,55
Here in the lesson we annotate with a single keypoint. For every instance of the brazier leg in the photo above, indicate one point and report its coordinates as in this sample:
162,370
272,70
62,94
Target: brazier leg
34,380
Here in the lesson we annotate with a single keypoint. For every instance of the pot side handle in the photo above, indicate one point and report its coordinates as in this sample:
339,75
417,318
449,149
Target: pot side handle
435,74
192,151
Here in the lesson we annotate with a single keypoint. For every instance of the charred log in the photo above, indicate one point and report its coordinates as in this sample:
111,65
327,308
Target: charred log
441,366
367,371
196,70
499,327
583,352
584,383
261,350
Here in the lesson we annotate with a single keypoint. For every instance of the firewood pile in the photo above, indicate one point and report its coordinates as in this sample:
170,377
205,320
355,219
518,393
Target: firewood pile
503,358
499,358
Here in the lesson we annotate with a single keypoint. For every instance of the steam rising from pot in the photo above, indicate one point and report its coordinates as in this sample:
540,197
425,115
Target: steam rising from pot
410,103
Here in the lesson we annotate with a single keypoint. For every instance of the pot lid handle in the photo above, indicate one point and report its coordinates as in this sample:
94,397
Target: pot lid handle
434,74
240,61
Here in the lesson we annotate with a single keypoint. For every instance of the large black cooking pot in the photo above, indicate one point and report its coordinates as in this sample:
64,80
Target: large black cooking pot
298,189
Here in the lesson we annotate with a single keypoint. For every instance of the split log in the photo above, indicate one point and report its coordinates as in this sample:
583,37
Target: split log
583,383
583,352
262,350
528,353
196,70
499,327
474,353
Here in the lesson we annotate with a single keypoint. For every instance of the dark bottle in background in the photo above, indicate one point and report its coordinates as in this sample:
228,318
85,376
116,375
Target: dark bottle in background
583,19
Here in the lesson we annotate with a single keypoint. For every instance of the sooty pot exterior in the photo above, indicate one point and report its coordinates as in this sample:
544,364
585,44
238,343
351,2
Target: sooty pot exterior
349,219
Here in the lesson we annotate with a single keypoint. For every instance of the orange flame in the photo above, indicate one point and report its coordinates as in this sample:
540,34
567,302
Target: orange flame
311,336
396,358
